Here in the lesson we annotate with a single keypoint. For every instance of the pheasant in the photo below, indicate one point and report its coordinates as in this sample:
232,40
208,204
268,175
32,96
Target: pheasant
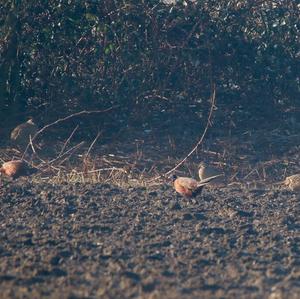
20,135
16,168
206,172
293,182
189,187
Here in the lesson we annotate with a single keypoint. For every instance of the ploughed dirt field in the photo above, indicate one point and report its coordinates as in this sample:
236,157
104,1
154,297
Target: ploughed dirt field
65,238
102,241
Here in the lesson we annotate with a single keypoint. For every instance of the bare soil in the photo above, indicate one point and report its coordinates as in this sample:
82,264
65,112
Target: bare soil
101,240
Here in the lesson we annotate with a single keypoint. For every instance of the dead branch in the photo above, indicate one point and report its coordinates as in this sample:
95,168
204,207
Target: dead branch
208,124
102,169
31,144
68,140
92,144
85,157
84,112
61,154
66,153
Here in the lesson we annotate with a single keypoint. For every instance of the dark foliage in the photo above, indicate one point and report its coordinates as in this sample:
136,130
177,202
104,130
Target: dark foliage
59,57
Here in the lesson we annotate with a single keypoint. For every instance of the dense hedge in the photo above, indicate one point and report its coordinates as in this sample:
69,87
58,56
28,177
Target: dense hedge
147,56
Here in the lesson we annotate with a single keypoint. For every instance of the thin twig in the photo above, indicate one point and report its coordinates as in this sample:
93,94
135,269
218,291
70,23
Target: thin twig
101,169
85,158
68,140
208,124
67,152
92,144
253,170
84,112
31,144
191,33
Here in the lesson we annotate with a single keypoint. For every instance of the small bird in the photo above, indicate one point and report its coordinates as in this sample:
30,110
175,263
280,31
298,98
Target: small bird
21,134
293,182
206,172
189,187
16,168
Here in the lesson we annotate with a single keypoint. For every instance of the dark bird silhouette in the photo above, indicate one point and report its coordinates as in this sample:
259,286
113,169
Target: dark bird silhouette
16,168
20,135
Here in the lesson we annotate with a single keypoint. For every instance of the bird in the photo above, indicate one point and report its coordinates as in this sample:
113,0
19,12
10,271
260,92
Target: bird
293,182
16,168
190,187
21,134
206,172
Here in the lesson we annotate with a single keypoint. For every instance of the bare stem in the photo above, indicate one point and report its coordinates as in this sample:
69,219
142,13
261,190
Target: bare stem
84,112
208,124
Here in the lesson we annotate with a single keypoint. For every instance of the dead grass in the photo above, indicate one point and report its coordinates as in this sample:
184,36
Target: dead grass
136,164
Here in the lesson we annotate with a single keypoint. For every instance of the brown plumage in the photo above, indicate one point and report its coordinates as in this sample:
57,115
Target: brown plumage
206,172
16,168
189,187
20,135
293,182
